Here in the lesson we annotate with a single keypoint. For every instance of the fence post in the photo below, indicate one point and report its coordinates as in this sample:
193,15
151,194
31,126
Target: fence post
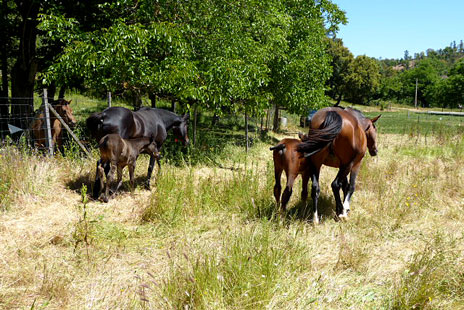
109,99
48,130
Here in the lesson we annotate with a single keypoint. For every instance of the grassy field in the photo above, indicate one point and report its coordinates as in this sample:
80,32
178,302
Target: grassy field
206,236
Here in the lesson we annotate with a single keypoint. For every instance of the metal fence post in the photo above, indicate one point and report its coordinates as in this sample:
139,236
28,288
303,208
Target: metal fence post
48,130
109,99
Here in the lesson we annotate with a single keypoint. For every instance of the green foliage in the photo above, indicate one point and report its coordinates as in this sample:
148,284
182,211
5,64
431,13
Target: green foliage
224,55
363,80
342,62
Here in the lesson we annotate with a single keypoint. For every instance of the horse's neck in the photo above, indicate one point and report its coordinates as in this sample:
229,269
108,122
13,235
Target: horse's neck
168,118
138,143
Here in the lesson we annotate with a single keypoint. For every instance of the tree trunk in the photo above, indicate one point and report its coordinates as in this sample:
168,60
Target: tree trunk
62,92
4,114
25,67
51,92
173,105
276,118
152,98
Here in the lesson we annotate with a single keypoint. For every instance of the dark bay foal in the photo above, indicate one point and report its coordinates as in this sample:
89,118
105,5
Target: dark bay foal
288,159
118,153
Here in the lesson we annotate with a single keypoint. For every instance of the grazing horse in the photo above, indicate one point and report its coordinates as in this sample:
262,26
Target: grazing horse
338,138
63,108
146,122
288,159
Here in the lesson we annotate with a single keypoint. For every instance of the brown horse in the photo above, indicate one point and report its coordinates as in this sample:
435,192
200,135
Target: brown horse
338,138
64,109
288,159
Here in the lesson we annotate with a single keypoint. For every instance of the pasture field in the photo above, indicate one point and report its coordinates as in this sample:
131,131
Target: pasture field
207,236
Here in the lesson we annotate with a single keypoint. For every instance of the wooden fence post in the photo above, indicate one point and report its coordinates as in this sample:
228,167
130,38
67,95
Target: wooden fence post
109,99
48,130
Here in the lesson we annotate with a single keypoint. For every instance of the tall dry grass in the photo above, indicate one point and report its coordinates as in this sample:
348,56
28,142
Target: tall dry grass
207,236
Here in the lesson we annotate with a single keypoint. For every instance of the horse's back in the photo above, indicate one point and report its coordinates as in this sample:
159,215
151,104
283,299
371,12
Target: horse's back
113,120
348,145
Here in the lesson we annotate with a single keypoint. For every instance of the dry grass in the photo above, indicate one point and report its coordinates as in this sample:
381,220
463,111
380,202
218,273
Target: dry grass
207,238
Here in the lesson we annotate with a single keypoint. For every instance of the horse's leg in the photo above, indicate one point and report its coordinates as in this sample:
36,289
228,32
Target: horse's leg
304,191
277,186
315,192
109,181
288,190
98,185
119,169
150,170
100,176
131,176
345,186
352,187
337,184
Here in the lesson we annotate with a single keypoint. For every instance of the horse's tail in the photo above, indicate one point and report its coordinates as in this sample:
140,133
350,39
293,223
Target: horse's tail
278,147
95,122
319,138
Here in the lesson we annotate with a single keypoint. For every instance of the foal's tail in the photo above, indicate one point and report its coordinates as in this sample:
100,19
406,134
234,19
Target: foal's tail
319,138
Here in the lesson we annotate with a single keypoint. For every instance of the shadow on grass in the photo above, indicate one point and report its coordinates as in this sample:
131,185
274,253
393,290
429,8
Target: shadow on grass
89,181
266,209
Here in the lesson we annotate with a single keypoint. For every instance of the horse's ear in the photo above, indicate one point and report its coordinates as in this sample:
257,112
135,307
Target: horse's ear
376,118
68,102
186,117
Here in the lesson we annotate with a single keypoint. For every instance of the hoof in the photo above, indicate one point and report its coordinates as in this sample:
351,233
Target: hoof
147,186
104,199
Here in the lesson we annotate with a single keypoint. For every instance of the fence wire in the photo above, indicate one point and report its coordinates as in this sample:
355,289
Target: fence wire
21,123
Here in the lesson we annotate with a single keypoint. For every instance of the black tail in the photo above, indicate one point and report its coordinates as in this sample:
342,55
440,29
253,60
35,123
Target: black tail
94,123
319,138
278,147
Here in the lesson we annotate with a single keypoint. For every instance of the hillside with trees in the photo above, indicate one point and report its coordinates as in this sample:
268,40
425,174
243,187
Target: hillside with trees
362,80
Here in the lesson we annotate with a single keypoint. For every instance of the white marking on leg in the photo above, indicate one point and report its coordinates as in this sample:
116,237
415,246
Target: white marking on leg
315,218
346,208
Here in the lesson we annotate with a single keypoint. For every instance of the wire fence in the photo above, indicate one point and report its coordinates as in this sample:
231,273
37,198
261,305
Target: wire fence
43,128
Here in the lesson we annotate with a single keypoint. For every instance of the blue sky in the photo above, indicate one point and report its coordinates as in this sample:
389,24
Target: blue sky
386,28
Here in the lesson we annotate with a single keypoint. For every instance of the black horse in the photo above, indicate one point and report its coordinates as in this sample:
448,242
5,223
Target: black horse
146,122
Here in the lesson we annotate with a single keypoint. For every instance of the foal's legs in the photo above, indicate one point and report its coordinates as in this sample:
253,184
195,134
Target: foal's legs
277,186
131,176
109,180
288,190
119,179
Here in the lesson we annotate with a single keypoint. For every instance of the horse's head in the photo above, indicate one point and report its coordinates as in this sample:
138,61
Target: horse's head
152,148
180,129
371,134
65,111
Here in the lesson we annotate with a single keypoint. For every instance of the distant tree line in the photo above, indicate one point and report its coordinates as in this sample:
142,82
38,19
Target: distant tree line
439,75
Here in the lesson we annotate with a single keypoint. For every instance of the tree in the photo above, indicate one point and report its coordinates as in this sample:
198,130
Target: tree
341,63
224,55
449,91
364,79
